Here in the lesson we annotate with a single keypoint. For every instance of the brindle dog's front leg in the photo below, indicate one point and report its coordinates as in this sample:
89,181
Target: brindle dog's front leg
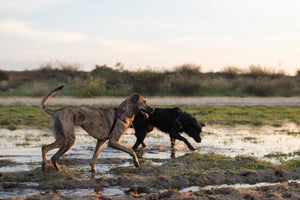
99,145
117,145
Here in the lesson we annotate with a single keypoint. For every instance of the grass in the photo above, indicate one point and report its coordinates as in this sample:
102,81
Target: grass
13,117
245,115
195,164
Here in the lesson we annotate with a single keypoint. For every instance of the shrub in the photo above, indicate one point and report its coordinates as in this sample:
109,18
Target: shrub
184,85
117,78
231,71
120,90
59,71
260,86
216,85
102,70
259,71
38,90
147,81
90,87
286,85
188,69
3,75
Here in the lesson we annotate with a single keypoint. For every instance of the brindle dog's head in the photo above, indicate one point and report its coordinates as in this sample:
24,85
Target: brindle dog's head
140,105
191,126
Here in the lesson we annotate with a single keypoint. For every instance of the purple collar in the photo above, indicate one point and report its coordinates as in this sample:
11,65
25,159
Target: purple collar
119,116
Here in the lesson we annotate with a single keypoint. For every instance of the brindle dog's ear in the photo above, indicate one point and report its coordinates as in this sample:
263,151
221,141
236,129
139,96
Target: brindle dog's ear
135,97
201,124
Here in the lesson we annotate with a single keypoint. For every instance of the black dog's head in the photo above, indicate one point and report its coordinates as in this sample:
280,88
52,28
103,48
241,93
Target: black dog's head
191,126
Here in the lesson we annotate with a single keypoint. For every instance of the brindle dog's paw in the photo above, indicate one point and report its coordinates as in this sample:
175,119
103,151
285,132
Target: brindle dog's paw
47,167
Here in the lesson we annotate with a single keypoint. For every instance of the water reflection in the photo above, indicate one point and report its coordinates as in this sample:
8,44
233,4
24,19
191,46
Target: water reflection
267,142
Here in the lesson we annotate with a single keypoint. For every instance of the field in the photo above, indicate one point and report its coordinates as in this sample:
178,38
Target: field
247,152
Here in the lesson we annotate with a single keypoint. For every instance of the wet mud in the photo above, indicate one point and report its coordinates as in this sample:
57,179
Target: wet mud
231,163
170,180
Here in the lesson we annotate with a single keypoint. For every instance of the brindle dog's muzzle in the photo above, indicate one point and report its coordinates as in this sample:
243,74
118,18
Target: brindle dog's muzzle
146,112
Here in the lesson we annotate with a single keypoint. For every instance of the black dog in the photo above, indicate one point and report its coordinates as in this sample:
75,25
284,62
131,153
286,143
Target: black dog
169,120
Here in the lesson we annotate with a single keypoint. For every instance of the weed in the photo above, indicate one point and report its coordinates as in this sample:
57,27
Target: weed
25,143
250,139
294,163
293,133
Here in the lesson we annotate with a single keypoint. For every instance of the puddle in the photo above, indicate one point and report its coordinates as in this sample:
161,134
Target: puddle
16,192
20,150
24,146
253,141
210,187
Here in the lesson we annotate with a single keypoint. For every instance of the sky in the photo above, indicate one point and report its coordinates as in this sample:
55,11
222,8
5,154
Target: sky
156,34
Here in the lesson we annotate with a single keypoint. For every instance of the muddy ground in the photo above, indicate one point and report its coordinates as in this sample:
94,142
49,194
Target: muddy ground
190,176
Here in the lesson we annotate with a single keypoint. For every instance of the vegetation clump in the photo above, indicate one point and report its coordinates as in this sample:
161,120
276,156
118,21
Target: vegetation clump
183,80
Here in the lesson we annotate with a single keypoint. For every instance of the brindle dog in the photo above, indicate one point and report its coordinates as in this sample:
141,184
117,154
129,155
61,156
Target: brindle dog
104,124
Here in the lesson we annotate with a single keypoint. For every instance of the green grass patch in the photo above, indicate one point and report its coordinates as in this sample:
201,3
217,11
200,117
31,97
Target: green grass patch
13,117
195,163
245,115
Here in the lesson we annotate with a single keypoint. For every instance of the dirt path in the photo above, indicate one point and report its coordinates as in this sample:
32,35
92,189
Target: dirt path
199,101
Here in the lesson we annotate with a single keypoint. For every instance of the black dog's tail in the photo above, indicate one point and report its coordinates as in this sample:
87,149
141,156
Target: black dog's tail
46,98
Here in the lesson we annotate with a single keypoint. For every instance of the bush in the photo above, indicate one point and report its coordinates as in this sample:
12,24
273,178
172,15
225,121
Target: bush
259,71
147,82
216,85
102,71
260,86
59,71
120,90
184,85
91,87
3,75
231,72
188,69
286,86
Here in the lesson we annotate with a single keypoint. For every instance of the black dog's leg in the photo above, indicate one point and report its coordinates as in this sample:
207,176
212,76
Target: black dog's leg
172,142
176,135
143,144
172,147
140,136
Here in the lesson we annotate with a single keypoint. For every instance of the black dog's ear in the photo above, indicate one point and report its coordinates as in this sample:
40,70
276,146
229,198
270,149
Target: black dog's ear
201,124
135,97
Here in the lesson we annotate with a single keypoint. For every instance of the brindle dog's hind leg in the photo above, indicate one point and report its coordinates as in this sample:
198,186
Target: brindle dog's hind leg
99,145
67,130
68,143
49,147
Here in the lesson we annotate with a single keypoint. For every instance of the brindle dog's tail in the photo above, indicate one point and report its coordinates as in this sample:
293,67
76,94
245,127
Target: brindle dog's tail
46,98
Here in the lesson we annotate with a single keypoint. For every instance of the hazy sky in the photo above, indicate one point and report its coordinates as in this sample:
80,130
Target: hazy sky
156,33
